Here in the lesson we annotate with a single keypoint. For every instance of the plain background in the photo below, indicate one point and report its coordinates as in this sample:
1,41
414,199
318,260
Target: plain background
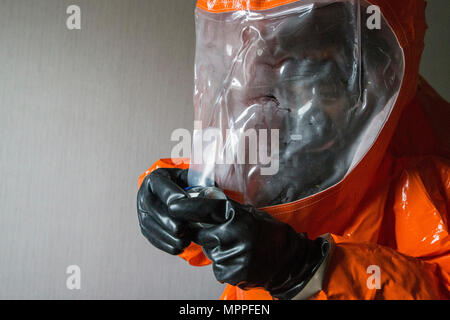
82,115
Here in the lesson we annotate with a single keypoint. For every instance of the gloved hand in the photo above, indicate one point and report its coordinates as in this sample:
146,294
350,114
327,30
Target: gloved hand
159,189
251,249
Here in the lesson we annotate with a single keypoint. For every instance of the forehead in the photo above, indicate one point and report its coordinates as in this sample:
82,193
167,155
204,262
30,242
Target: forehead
316,27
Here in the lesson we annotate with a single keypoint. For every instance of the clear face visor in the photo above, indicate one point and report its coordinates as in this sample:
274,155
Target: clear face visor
289,100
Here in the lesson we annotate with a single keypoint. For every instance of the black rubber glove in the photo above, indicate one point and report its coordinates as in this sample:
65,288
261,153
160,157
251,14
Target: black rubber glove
249,248
159,189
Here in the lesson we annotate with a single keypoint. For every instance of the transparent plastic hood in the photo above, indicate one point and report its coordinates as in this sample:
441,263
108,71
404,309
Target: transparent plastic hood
288,100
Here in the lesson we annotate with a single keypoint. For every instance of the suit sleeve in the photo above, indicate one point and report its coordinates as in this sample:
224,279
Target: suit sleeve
367,271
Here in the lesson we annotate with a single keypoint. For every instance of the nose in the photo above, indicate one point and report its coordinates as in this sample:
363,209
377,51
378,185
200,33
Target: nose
309,129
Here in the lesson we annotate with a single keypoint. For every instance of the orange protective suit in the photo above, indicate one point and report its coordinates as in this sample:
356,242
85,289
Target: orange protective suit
392,210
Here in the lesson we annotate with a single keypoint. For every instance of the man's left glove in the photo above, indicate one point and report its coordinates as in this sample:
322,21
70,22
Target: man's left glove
251,249
159,189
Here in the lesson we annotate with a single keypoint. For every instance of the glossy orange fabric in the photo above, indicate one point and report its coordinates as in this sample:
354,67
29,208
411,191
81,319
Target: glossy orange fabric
392,210
217,6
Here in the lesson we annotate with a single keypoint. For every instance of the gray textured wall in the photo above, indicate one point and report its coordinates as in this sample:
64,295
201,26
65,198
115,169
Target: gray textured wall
82,114
435,62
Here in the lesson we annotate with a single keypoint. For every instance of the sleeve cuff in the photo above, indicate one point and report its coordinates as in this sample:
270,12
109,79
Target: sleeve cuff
315,284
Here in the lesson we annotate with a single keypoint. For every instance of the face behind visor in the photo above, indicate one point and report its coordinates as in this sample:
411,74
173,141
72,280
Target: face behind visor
313,72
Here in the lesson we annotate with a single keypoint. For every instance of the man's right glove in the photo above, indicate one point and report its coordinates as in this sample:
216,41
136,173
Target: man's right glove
251,249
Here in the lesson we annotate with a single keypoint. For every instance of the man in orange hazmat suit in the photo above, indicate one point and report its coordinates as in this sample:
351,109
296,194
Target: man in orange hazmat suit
357,204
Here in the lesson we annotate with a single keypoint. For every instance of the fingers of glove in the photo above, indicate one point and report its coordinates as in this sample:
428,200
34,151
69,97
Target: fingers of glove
178,176
144,196
233,273
150,206
163,240
173,227
226,238
234,255
168,184
203,210
151,210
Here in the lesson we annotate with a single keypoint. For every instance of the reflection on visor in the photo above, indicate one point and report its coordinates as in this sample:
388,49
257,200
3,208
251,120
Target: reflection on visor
314,73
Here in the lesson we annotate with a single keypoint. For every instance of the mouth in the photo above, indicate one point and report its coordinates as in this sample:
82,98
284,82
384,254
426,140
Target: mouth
297,144
269,104
264,112
266,100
